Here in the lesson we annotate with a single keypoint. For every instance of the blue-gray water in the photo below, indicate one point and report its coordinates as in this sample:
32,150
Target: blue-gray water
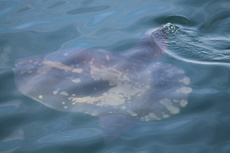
201,48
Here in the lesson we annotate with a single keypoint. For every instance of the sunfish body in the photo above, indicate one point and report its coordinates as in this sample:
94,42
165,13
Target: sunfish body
120,88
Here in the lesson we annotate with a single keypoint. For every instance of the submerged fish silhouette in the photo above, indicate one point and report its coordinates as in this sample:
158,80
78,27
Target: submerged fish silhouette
120,88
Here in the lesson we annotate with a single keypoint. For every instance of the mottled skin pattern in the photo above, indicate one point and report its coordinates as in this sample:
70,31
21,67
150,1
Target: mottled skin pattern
134,84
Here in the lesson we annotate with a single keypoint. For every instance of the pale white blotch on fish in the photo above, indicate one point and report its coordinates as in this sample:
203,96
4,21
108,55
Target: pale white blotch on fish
64,93
169,105
77,80
185,90
183,102
77,70
164,115
185,80
107,57
55,92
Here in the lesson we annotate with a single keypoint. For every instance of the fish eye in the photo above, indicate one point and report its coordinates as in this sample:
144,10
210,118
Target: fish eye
170,28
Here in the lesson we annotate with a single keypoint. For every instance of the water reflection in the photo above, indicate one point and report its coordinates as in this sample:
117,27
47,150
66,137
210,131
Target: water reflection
200,48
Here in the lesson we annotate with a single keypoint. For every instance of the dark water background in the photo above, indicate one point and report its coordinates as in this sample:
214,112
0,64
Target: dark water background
201,48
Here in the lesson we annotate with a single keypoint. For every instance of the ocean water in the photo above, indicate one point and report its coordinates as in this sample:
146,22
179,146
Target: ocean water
200,46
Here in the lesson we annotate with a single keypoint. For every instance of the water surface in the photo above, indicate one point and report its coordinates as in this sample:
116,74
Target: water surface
200,47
